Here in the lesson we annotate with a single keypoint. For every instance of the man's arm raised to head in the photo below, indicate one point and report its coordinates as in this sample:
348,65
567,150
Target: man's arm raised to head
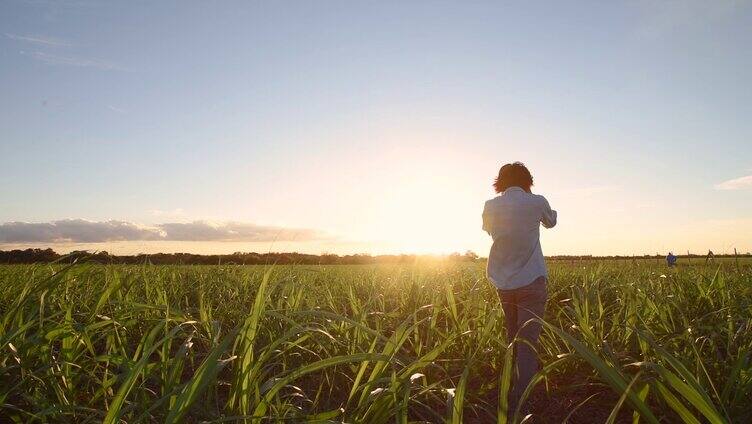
486,219
548,215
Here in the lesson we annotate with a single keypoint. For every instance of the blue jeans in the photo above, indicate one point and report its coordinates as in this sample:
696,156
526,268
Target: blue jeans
520,305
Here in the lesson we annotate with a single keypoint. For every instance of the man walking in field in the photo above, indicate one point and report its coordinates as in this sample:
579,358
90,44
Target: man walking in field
516,266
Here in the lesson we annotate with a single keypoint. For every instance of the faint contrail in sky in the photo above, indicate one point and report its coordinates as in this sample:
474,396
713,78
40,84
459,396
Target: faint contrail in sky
39,39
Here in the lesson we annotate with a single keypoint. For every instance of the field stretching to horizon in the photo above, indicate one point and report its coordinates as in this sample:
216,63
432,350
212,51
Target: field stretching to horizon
623,341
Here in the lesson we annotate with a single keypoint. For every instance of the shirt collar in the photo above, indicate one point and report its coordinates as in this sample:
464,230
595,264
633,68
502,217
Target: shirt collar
513,188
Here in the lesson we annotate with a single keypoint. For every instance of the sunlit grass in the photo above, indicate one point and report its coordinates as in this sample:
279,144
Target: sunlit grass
424,342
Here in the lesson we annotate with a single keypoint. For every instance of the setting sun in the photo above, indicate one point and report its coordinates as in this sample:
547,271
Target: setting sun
376,212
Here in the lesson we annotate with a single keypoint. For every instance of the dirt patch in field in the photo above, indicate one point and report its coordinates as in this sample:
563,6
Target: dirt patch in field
565,401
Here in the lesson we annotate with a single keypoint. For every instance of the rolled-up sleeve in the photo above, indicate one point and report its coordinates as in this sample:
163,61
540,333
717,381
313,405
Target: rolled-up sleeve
548,216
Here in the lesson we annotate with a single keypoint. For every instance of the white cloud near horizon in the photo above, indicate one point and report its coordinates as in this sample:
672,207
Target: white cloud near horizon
84,231
740,183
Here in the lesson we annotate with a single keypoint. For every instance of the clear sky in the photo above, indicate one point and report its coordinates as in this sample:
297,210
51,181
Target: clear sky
373,126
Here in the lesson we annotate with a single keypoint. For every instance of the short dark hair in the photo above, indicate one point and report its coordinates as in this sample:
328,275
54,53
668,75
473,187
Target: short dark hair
513,175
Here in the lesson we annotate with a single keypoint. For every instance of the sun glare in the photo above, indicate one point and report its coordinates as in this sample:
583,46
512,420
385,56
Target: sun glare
423,215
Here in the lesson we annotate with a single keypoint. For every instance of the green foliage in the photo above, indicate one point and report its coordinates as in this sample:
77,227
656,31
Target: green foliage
367,343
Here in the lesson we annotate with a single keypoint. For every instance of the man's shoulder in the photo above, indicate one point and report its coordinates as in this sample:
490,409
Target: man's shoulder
493,200
497,201
539,198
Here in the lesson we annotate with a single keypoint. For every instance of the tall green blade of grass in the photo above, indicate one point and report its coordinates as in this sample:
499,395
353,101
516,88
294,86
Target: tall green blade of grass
687,386
615,411
242,395
734,377
205,374
675,404
458,401
505,382
609,374
689,393
642,394
115,408
307,369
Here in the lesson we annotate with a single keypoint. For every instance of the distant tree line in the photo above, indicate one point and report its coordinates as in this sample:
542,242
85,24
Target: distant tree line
28,256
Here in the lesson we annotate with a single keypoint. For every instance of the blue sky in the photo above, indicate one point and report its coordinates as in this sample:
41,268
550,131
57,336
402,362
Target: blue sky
375,126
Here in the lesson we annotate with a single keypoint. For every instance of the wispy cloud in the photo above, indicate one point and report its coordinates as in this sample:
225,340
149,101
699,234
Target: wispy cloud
662,17
582,192
735,184
69,4
47,42
167,213
81,62
116,109
40,40
234,231
84,231
75,230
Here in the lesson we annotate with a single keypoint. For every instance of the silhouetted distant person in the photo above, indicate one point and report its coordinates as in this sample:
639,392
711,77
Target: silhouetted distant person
710,256
516,265
671,259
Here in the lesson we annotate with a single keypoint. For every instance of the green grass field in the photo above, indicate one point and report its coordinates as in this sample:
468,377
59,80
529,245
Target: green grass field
622,341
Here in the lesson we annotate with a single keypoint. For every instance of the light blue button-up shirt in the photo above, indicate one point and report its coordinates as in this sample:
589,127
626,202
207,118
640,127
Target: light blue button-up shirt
513,220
